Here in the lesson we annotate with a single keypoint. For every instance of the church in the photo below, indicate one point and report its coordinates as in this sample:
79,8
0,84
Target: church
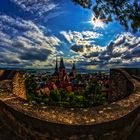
60,73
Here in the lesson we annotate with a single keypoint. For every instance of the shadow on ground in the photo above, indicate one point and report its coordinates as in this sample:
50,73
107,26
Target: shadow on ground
7,134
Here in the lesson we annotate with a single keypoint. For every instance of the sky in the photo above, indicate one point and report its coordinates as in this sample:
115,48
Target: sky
34,32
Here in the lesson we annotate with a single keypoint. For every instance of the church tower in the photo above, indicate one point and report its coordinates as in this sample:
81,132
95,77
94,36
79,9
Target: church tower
62,70
56,66
56,72
73,71
61,64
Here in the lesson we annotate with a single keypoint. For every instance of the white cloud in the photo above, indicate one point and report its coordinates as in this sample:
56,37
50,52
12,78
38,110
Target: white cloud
80,38
36,7
5,39
123,51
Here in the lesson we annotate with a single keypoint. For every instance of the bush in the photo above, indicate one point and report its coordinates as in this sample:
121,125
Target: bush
63,94
55,96
100,99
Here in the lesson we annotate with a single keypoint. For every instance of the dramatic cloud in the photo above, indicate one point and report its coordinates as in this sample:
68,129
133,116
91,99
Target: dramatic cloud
83,38
37,7
34,32
25,42
123,51
87,50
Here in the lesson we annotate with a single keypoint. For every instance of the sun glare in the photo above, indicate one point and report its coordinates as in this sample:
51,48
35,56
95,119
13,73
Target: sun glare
96,22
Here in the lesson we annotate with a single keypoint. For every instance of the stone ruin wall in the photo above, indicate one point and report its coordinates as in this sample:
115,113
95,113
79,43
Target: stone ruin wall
19,87
120,86
16,81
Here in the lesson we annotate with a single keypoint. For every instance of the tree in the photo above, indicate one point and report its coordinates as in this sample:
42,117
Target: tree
31,86
127,12
92,91
84,3
55,96
64,93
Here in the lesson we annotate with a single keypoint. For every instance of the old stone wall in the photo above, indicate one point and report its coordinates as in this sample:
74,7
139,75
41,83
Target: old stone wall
120,84
16,83
19,87
133,71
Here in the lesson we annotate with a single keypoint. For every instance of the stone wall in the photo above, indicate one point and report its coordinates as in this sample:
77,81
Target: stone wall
133,71
19,87
17,80
120,85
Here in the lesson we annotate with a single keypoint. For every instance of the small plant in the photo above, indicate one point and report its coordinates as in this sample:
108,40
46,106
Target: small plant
55,96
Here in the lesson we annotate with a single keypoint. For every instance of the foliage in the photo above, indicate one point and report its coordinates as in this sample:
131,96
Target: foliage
31,86
63,94
92,96
78,77
31,83
38,99
127,12
100,99
55,96
84,3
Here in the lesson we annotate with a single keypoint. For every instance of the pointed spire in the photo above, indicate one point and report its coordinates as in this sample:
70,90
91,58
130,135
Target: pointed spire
73,71
73,67
62,63
56,66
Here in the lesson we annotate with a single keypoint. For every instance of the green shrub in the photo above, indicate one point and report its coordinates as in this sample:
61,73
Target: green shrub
55,96
63,93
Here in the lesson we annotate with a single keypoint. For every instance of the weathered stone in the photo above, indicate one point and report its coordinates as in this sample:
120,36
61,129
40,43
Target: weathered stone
19,87
101,111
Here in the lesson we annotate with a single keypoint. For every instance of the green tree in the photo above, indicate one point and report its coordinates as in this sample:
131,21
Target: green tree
79,100
84,3
92,90
63,94
100,99
55,96
70,97
31,86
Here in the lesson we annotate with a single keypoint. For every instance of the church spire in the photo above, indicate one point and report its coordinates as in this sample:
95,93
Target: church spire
73,71
61,63
56,66
73,67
